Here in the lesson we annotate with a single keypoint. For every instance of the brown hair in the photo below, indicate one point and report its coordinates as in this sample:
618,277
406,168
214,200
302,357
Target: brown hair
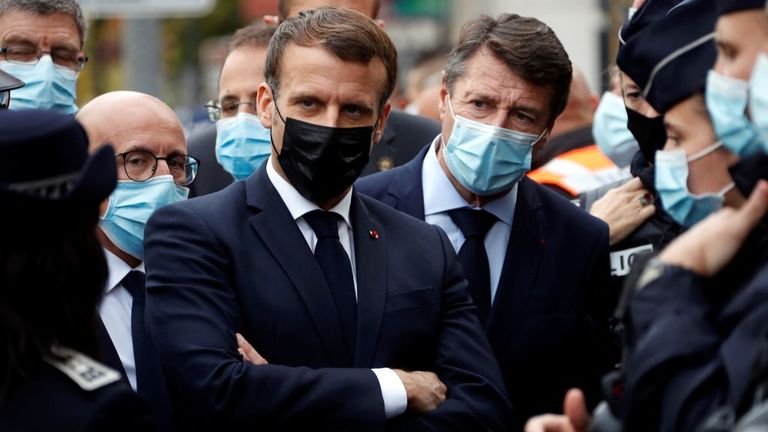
256,35
284,7
526,45
349,35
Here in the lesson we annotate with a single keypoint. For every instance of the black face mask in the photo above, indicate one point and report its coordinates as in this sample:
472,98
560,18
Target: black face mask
649,133
320,161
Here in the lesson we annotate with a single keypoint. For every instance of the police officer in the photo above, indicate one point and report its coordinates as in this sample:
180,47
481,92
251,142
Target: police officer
52,278
697,331
631,238
728,87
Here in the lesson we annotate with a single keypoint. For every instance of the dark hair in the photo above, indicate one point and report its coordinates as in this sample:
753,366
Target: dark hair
256,35
284,7
52,275
349,35
49,7
526,45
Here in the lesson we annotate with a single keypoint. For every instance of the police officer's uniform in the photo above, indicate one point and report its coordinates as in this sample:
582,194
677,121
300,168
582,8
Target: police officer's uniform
74,393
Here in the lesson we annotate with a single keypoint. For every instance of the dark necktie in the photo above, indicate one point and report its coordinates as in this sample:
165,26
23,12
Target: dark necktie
336,267
150,383
474,224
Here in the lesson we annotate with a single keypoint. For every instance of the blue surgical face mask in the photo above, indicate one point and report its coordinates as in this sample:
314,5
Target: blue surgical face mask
242,144
487,159
609,128
671,171
727,105
46,86
130,206
758,98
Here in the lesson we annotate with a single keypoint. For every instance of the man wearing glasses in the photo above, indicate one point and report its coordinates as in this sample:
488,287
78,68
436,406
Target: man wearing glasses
153,170
239,144
41,43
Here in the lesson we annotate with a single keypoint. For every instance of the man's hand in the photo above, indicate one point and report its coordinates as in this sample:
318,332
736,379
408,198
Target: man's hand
248,352
711,244
425,391
624,208
575,419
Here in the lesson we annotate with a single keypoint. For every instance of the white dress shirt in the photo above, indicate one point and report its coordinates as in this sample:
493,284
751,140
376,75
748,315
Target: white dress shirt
115,312
440,196
392,389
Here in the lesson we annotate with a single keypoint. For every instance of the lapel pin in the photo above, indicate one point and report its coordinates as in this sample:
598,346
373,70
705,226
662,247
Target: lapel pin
374,234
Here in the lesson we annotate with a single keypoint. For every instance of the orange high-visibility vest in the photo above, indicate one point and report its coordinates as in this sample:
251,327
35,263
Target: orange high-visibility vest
579,170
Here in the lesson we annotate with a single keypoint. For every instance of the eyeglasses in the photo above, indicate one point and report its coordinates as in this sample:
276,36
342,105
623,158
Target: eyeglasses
141,165
30,54
228,107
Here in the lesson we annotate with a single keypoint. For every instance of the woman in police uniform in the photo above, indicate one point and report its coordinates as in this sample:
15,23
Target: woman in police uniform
52,272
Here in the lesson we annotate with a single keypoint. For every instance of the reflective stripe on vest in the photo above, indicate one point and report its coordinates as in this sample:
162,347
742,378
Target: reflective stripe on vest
579,170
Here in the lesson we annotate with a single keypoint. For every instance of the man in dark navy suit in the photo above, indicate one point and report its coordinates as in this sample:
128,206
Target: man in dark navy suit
360,310
536,264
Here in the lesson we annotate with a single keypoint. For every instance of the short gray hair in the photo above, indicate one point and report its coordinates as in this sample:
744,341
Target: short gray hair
49,7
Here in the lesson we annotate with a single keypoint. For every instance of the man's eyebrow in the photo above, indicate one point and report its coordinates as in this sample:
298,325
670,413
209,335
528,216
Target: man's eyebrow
65,45
482,95
135,147
358,103
303,95
17,38
21,39
725,45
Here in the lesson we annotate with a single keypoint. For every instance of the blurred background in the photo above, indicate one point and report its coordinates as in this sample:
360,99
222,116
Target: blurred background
173,49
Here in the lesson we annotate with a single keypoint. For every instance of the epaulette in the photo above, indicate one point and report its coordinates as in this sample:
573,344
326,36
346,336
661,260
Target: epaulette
83,370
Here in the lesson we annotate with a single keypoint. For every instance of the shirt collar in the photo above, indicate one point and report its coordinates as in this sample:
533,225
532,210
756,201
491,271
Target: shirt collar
118,269
441,196
297,205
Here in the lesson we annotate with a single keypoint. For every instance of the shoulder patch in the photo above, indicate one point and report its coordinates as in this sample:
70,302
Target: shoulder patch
83,370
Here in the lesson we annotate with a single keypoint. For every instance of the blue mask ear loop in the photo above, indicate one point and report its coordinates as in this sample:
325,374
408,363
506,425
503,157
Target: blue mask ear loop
704,152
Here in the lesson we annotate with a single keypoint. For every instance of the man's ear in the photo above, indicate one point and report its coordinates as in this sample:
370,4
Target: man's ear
443,95
382,123
544,138
265,101
272,20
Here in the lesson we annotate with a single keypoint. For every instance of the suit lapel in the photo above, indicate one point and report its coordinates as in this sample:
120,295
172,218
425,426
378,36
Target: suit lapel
527,243
371,265
279,232
107,349
407,190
